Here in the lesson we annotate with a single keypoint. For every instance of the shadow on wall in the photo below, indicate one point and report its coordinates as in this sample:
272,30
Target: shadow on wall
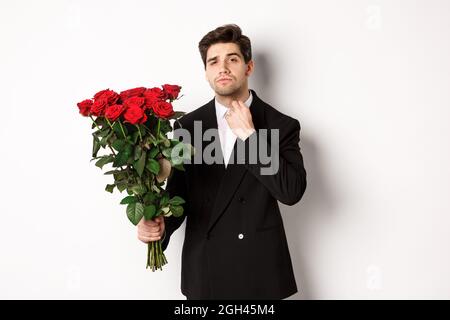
301,219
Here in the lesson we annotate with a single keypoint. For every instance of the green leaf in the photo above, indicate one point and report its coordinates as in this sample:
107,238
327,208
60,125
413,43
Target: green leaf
165,211
118,130
123,156
102,132
176,161
120,176
129,150
135,212
137,152
104,142
174,142
110,187
176,201
128,200
143,129
149,212
140,164
153,166
113,172
151,139
138,189
100,163
167,152
119,145
164,140
121,186
156,189
153,153
135,137
95,147
177,211
98,157
149,198
100,122
178,166
184,153
121,159
164,200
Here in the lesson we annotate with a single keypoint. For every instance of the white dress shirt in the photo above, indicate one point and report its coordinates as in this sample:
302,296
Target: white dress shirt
226,135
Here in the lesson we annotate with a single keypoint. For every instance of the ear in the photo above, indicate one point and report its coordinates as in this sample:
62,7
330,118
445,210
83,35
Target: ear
250,67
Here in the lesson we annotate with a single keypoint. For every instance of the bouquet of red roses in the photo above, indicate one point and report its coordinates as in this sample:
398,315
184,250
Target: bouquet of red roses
133,125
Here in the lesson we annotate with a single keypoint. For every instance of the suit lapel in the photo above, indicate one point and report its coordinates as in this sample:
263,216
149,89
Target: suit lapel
234,172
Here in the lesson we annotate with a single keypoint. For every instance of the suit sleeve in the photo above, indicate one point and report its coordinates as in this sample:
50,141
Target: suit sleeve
288,183
176,186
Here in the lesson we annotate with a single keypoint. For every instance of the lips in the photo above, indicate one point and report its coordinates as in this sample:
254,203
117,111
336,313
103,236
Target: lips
224,80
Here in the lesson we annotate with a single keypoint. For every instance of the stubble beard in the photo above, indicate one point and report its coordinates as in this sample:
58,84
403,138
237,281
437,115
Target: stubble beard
227,91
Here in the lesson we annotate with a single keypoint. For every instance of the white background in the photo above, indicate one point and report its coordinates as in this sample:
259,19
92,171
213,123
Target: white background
368,80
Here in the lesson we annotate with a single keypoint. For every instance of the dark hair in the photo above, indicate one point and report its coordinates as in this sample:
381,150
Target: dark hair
224,34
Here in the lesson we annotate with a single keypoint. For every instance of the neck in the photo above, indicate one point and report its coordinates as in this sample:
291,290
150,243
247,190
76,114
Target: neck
241,95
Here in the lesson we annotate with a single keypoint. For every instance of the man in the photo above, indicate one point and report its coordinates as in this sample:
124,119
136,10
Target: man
235,245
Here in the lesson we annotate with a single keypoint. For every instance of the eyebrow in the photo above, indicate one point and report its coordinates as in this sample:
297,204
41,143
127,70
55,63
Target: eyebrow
228,54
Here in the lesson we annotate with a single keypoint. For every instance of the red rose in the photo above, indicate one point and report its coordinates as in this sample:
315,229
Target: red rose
171,91
134,102
110,95
163,109
99,106
85,107
100,93
113,112
136,92
135,115
152,96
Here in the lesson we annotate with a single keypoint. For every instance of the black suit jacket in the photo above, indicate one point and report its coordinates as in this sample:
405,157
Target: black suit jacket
235,245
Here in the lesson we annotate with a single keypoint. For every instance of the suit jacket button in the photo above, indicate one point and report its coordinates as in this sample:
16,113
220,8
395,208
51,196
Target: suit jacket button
242,200
240,236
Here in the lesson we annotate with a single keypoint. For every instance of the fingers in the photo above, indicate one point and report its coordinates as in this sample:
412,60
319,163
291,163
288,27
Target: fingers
162,223
151,230
233,110
238,112
151,223
239,108
149,238
148,235
235,105
238,104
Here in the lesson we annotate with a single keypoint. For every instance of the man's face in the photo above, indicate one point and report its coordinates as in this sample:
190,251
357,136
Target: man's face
225,61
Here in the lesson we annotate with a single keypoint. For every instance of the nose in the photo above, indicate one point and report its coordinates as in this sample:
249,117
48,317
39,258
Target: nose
223,68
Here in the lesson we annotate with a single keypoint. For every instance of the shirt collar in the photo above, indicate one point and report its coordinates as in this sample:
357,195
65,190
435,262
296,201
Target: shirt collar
221,109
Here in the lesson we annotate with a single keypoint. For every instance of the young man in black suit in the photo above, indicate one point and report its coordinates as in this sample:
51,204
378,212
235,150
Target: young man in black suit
235,245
